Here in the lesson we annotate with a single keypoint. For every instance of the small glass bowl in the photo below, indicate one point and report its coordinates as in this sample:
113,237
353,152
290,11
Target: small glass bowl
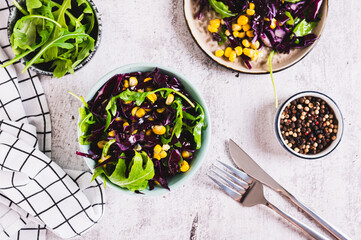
337,114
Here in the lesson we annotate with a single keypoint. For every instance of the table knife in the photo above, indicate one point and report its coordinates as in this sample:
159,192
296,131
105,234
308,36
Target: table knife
248,165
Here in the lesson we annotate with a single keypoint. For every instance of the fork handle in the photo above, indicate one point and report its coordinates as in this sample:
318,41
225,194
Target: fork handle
326,225
314,234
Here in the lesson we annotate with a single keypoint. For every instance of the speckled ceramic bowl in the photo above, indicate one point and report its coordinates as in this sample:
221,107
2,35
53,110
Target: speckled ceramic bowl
43,69
200,33
337,114
199,157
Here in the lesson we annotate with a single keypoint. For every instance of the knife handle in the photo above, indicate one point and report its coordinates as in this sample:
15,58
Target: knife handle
314,234
326,225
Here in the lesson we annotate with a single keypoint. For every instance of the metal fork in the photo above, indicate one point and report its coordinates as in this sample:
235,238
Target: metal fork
249,192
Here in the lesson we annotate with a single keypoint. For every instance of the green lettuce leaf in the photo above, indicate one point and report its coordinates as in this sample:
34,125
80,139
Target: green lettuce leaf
141,169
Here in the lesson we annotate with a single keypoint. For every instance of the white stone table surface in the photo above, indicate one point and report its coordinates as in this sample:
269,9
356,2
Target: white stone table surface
241,108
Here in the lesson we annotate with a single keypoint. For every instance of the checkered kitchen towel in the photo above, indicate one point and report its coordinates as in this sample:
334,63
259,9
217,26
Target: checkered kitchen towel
35,193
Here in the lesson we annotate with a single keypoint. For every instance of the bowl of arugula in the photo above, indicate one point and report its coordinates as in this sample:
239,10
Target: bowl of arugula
54,37
143,128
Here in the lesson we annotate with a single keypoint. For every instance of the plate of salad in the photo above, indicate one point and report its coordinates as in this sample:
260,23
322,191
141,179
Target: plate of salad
144,129
256,36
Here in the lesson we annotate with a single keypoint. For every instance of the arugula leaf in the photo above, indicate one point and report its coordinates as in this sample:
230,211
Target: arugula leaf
20,8
62,38
291,21
200,125
90,14
271,73
221,8
86,120
138,97
106,147
141,171
177,129
303,28
223,36
33,4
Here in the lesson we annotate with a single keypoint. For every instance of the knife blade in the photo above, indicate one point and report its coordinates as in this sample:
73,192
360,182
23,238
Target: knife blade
249,166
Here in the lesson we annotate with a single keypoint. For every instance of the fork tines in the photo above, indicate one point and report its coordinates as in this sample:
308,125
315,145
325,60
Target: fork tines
236,184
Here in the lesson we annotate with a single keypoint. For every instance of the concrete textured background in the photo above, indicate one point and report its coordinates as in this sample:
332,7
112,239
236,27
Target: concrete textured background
241,108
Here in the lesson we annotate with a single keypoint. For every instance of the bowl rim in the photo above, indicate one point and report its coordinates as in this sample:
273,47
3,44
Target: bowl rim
250,71
336,110
11,18
201,153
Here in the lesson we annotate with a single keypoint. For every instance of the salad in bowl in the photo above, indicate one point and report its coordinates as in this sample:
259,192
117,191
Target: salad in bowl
143,129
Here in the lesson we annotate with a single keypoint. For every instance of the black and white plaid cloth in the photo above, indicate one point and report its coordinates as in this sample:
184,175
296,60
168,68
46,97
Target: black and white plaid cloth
35,193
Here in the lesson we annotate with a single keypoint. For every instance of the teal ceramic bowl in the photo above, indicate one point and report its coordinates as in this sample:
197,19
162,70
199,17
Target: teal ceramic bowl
200,154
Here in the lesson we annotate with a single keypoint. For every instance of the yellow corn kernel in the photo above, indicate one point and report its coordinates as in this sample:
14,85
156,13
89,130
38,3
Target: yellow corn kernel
148,132
140,90
104,158
236,27
134,132
273,23
160,110
235,33
251,6
126,83
111,134
140,113
250,33
127,102
248,52
169,99
232,56
238,50
266,19
157,156
147,79
118,119
156,182
242,20
246,43
219,53
215,23
157,148
186,154
212,29
133,81
134,111
149,89
152,97
125,124
227,33
166,147
255,45
228,51
250,12
101,144
222,21
150,118
163,154
159,129
255,56
184,166
241,34
246,27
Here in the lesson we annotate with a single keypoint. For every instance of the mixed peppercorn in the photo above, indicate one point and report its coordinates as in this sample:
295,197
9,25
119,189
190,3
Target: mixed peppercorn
308,125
